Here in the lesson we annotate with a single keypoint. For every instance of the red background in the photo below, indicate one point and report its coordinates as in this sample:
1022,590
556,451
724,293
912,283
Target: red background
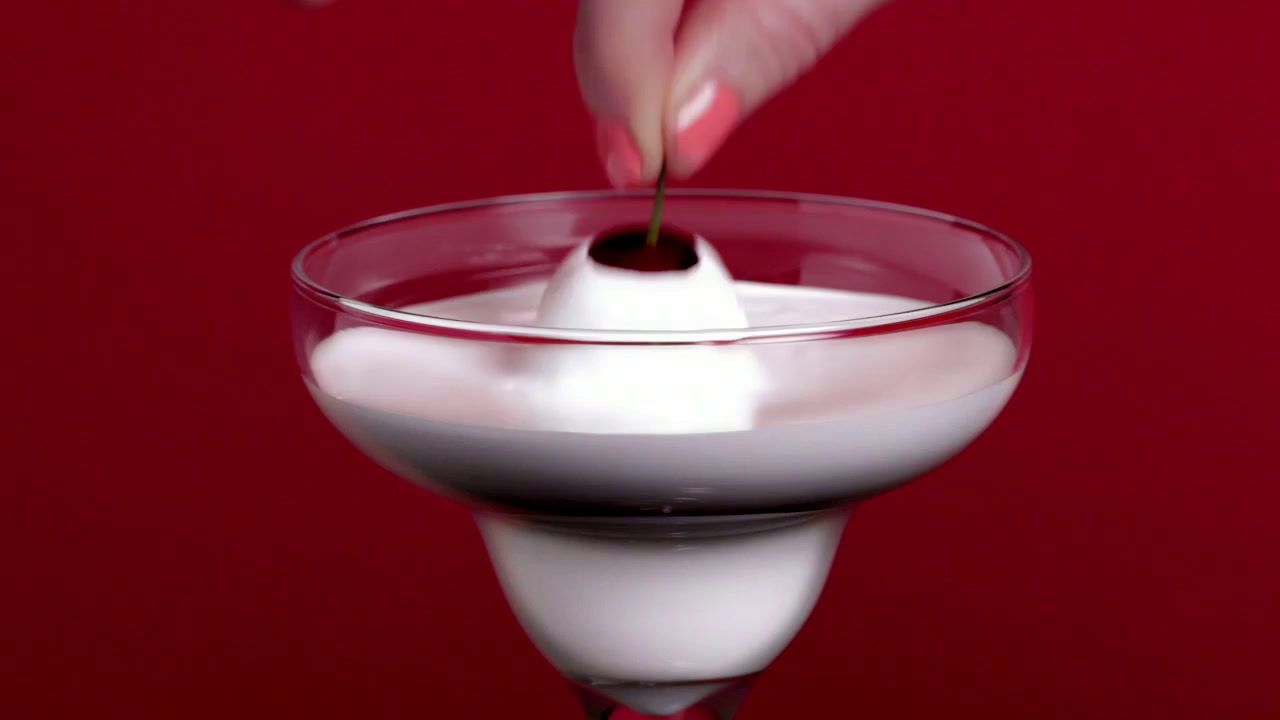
184,536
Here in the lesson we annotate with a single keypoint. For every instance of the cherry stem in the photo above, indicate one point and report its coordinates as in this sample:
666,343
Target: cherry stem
655,220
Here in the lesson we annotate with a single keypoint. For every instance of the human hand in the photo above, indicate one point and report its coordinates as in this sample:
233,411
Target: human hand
665,89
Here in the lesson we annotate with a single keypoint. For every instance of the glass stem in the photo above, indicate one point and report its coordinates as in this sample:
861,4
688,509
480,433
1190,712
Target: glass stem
722,705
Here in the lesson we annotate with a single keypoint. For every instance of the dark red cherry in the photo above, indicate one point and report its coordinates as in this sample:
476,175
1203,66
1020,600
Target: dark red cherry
627,249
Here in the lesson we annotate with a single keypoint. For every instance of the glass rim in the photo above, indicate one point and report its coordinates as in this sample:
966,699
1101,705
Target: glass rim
934,313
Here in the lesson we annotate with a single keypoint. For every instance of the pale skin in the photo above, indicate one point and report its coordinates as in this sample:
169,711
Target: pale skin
643,68
663,88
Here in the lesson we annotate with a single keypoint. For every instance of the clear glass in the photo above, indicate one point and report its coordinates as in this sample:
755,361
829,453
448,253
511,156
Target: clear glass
662,553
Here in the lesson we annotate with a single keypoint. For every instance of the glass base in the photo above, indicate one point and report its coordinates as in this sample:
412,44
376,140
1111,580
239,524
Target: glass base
703,700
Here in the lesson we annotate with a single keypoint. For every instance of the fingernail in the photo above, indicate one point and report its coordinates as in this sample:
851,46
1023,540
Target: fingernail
619,154
702,124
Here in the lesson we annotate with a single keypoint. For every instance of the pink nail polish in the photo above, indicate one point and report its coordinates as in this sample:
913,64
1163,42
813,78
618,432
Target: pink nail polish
703,123
619,154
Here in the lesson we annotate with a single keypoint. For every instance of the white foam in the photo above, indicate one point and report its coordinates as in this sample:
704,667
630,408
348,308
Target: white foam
532,386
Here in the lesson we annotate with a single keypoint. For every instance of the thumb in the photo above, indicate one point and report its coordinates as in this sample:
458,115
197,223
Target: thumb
623,51
733,55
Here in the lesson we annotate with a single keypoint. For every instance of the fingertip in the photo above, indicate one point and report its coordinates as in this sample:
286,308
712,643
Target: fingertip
619,155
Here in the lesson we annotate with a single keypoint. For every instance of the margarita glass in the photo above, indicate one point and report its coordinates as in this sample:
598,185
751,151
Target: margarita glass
662,506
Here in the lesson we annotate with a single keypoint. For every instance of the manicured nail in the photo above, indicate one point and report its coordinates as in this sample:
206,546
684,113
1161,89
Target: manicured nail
702,124
619,154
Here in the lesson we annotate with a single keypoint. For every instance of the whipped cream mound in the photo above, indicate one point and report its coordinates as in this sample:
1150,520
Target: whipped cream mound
587,294
643,389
